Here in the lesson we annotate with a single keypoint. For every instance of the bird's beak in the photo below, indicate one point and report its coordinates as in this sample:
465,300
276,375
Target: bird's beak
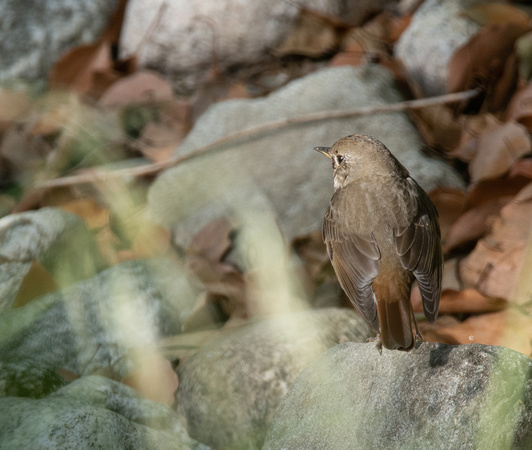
324,150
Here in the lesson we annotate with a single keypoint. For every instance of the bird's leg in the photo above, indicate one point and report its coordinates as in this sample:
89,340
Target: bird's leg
418,337
378,340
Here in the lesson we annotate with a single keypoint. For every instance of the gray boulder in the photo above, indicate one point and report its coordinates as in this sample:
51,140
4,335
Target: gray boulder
91,412
436,31
60,241
34,34
189,37
277,172
26,378
96,324
438,396
230,389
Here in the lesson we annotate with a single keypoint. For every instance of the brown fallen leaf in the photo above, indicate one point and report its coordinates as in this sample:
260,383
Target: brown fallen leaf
313,35
487,61
495,264
472,128
520,107
89,69
506,187
311,249
154,378
37,282
93,213
14,106
488,329
473,224
224,283
76,68
496,13
142,87
450,203
498,151
158,141
469,301
352,55
439,127
522,169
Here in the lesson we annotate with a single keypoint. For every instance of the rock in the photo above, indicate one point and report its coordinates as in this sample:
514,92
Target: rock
230,389
436,31
98,324
438,396
58,240
189,37
26,378
277,173
34,34
92,412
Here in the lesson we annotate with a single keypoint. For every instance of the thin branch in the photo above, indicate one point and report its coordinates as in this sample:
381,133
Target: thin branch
94,175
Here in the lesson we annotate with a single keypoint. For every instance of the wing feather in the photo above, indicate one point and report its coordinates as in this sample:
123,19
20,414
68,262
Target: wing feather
419,248
356,261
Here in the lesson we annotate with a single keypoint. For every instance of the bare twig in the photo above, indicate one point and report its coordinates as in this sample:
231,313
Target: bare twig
152,169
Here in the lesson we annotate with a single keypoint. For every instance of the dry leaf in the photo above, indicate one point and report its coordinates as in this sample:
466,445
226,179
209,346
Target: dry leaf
353,55
37,282
53,121
473,224
215,89
469,301
498,150
154,378
488,190
94,215
472,128
142,87
76,68
487,61
496,13
495,264
520,108
439,126
90,69
522,168
158,141
313,35
450,203
225,284
311,249
488,329
14,105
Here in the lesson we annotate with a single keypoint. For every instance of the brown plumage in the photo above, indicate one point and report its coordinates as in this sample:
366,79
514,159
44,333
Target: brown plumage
382,232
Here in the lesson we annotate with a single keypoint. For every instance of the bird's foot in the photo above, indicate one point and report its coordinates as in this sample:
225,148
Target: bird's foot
378,340
418,339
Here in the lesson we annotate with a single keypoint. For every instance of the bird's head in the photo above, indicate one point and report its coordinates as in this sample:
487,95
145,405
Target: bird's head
357,156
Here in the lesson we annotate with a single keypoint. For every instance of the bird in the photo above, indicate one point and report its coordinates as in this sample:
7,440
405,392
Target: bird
381,232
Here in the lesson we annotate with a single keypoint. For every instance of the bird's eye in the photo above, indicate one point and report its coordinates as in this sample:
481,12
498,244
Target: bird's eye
339,159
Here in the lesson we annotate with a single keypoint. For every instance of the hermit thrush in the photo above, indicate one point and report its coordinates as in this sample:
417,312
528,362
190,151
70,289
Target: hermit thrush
382,232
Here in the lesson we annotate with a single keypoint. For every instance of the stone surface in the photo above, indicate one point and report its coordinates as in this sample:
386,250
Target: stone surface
277,172
34,34
60,241
92,412
26,378
98,324
230,389
436,31
438,397
189,37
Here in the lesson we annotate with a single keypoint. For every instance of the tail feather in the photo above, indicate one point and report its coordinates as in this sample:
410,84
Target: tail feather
396,324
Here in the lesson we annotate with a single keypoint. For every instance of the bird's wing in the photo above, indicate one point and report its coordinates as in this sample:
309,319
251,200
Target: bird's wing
419,247
356,261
